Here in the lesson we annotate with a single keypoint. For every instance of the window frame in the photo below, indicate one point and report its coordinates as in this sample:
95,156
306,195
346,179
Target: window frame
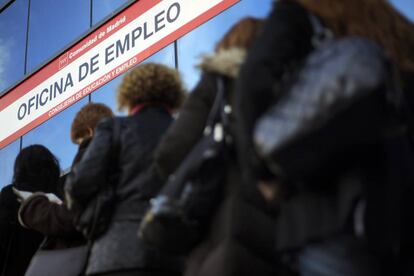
5,5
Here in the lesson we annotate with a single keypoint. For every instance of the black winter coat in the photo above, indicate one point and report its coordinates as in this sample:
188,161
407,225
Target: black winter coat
119,248
239,237
322,193
289,31
17,244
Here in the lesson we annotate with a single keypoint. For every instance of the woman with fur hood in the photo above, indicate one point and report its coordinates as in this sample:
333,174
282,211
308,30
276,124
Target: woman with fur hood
238,239
151,93
326,237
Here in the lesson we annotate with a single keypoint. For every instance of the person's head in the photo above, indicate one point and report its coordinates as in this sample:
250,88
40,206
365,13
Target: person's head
374,19
36,166
87,119
153,84
241,35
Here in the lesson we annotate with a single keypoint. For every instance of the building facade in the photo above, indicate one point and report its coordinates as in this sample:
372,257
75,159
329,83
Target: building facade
34,32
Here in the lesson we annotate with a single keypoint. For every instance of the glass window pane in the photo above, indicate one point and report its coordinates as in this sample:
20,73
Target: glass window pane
12,43
55,135
203,39
53,25
104,8
7,157
107,93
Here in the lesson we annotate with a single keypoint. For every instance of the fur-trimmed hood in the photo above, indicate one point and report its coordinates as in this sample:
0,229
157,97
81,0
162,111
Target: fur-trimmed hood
225,62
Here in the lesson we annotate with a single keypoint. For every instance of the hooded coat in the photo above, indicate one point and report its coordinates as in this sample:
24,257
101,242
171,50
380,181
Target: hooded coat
238,240
320,204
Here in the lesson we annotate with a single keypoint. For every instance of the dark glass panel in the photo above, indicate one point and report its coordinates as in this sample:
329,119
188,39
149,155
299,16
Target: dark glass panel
104,8
13,22
53,25
55,135
7,157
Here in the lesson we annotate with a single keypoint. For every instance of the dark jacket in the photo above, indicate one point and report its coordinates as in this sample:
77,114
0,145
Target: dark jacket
54,221
17,244
119,248
289,31
322,189
238,237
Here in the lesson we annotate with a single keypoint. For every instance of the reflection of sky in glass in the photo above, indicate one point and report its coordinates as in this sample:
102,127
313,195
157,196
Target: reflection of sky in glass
406,7
104,8
2,2
53,25
12,43
7,157
204,38
55,135
106,94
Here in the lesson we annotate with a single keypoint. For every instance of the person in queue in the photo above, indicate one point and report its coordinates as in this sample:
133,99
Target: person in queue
239,236
150,93
52,218
35,170
324,195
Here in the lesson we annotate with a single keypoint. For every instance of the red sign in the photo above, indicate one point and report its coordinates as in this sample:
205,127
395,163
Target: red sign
138,32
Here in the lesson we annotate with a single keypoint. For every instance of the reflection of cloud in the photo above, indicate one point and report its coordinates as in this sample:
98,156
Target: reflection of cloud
4,60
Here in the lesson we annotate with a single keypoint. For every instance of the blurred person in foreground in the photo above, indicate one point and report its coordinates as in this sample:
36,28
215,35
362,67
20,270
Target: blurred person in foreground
150,93
335,218
238,239
35,170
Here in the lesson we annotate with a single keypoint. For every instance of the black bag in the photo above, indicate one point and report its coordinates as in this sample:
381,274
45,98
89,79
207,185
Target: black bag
337,74
94,220
176,216
344,95
62,262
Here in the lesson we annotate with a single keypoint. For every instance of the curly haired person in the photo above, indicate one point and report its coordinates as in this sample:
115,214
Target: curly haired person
150,93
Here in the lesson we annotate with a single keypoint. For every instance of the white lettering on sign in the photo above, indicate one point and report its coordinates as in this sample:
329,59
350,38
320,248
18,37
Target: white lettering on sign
138,32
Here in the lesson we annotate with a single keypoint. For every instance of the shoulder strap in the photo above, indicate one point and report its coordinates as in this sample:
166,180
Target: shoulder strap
206,148
217,111
116,138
